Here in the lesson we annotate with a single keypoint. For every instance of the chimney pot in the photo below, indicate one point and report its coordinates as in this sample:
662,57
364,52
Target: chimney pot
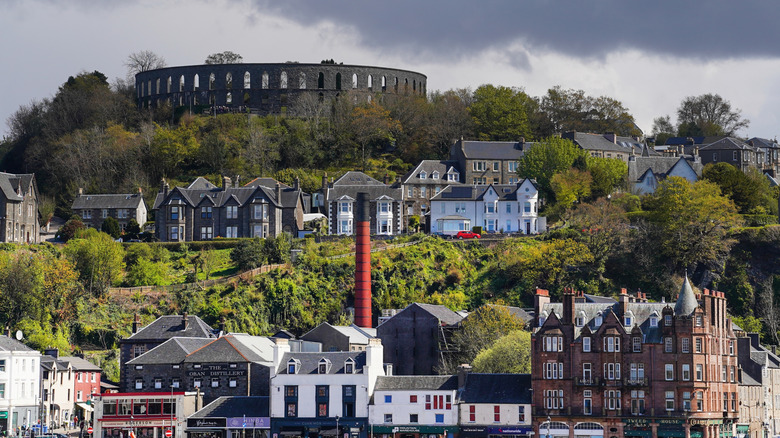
81,191
184,321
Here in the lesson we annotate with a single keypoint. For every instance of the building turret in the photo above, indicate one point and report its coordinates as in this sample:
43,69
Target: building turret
686,301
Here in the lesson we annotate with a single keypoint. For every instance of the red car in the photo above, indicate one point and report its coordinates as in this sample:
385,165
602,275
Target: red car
467,235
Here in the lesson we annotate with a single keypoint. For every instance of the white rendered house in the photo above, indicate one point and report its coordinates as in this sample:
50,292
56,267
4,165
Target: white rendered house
20,382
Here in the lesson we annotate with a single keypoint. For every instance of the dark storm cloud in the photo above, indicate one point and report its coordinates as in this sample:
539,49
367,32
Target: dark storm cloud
709,29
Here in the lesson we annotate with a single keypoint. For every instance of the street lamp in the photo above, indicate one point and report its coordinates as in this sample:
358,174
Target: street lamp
548,426
337,426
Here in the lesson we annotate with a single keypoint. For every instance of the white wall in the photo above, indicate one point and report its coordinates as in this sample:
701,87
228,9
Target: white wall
401,408
510,414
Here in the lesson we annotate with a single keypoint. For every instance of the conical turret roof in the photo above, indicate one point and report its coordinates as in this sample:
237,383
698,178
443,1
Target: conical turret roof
686,302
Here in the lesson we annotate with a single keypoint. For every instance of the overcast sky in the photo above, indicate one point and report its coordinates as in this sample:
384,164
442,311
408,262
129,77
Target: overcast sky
647,54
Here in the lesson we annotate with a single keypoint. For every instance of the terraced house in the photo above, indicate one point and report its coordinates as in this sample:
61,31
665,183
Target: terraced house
19,208
203,211
94,209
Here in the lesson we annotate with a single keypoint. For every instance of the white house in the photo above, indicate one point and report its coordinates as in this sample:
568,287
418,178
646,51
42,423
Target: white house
20,382
497,208
495,405
58,380
644,173
323,392
414,406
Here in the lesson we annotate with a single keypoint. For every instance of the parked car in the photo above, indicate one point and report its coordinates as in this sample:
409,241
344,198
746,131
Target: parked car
467,235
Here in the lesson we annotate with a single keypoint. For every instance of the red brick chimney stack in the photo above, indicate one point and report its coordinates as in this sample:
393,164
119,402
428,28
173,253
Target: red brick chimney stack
362,262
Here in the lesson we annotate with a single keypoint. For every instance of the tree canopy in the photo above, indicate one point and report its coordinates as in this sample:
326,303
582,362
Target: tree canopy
501,113
708,114
226,57
510,353
546,158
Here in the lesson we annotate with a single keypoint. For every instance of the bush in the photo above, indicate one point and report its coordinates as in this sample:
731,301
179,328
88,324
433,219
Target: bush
111,227
249,254
757,220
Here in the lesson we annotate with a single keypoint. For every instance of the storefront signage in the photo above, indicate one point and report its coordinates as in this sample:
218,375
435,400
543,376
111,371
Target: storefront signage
206,422
697,422
636,422
414,429
669,421
133,423
249,422
473,429
508,430
216,370
3,414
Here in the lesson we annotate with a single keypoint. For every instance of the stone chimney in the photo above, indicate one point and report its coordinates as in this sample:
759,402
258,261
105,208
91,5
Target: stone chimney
226,182
136,323
463,372
324,181
236,183
611,137
568,306
297,183
185,321
521,143
141,191
278,193
386,178
53,352
164,187
81,191
623,302
282,346
388,369
541,299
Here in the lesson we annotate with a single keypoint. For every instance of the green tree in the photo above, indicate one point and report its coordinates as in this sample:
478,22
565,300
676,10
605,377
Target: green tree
749,190
110,226
570,186
663,129
694,221
21,287
98,260
481,328
226,57
607,175
573,110
249,254
70,229
545,159
509,354
147,273
133,229
709,114
500,113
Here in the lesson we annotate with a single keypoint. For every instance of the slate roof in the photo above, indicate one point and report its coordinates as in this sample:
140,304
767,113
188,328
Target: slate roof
597,142
309,362
763,143
235,406
497,388
129,201
442,313
505,192
660,166
686,301
8,344
675,141
728,143
80,364
491,150
589,312
390,383
11,183
201,191
598,299
173,350
356,335
353,182
266,182
429,167
169,326
234,348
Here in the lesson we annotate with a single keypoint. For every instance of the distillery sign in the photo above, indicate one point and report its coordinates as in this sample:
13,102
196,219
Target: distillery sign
216,370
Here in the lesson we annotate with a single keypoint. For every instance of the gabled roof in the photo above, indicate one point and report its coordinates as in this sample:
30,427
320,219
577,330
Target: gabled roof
659,166
497,388
266,182
490,150
443,313
351,183
308,362
355,178
429,167
763,143
173,350
462,192
234,348
400,383
129,201
169,326
598,142
8,344
355,334
201,190
235,406
642,312
80,364
728,143
12,184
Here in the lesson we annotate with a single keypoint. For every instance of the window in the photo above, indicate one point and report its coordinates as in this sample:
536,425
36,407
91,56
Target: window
699,401
668,320
637,344
734,401
699,372
423,192
669,400
724,372
587,402
497,414
553,399
388,399
388,418
349,366
735,156
257,211
496,166
174,213
698,321
612,400
686,372
206,233
553,343
599,320
587,373
78,393
627,321
412,399
87,214
122,213
345,226
472,413
511,166
292,367
669,371
158,383
668,345
637,372
103,213
174,233
612,344
345,207
508,208
440,418
698,345
478,166
586,344
686,345
139,383
612,371
205,212
231,211
231,232
197,383
521,414
175,383
553,370
78,375
653,321
731,348
731,374
413,418
686,402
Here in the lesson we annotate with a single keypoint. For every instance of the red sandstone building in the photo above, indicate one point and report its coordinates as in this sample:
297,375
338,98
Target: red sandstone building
634,368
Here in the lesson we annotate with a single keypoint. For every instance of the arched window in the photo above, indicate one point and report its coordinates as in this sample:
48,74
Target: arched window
264,83
406,85
229,97
195,100
302,81
338,81
370,82
212,80
149,88
414,85
229,80
384,83
354,80
181,83
195,82
395,85
157,86
283,80
247,81
321,80
168,85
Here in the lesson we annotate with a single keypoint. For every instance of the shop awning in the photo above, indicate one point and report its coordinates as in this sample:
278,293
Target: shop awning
85,406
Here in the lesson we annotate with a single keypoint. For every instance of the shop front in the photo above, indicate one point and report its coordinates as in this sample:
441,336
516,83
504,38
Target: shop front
317,428
414,431
231,427
148,428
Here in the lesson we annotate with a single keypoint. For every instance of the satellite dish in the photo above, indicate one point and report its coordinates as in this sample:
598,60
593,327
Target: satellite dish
19,335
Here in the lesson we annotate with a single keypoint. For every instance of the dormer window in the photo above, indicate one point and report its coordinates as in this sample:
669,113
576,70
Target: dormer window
454,176
349,366
323,367
542,318
653,320
292,366
698,321
599,320
668,320
435,175
579,321
628,319
423,175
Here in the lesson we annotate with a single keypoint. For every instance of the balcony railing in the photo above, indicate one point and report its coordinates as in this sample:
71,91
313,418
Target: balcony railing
642,381
593,381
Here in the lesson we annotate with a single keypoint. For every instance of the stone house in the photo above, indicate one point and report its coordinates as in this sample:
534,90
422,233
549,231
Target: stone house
19,221
203,211
488,162
94,209
340,338
733,151
771,154
424,182
20,384
646,172
760,383
607,145
634,368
